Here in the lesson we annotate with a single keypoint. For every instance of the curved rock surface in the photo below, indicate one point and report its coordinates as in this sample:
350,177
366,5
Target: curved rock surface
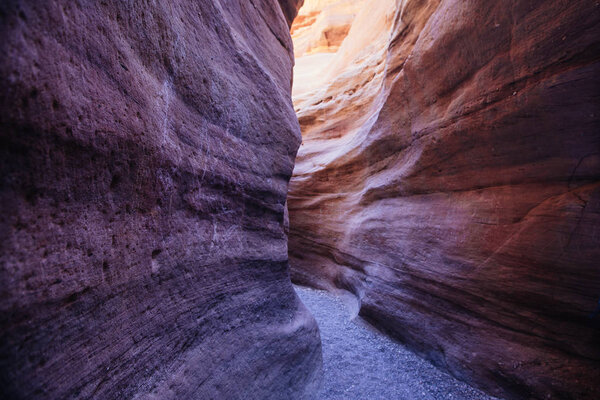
144,162
449,176
322,25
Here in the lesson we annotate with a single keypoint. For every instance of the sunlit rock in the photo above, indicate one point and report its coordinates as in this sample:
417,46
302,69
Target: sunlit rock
449,177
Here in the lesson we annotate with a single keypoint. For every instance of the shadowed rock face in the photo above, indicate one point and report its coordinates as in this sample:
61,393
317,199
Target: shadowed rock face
450,177
144,161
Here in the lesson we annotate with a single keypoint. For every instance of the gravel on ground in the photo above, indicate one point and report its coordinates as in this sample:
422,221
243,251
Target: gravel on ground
361,363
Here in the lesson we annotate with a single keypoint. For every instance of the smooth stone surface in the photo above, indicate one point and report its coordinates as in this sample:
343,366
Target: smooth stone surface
322,25
449,177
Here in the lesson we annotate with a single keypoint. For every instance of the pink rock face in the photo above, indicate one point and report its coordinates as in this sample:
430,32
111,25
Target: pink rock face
322,25
144,164
449,176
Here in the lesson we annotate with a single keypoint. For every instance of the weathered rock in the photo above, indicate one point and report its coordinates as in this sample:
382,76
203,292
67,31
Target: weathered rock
290,9
144,161
322,25
449,176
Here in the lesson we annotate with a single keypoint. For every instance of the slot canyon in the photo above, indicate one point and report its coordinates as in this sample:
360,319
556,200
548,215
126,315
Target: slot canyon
205,199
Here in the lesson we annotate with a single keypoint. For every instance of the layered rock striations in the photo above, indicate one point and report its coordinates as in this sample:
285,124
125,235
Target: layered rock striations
322,25
449,176
144,161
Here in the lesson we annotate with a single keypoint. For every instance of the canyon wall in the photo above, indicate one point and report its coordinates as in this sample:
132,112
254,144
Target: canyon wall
144,164
449,177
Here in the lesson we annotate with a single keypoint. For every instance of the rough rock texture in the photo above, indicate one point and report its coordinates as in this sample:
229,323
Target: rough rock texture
144,161
450,177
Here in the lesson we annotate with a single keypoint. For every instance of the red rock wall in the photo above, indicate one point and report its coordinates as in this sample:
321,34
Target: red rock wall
145,152
453,185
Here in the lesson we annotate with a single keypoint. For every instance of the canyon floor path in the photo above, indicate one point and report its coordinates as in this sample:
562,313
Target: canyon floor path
361,363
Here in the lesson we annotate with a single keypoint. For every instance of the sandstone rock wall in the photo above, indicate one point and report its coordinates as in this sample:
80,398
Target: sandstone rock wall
322,25
449,176
144,163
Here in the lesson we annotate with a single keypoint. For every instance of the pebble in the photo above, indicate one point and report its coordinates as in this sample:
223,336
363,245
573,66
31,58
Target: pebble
359,363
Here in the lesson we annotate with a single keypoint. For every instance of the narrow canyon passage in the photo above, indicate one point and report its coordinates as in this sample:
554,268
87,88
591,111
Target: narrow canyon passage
169,169
361,363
